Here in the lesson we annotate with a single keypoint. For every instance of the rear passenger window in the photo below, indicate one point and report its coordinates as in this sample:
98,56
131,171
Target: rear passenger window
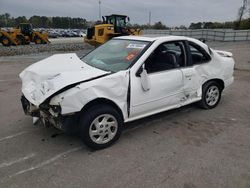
198,55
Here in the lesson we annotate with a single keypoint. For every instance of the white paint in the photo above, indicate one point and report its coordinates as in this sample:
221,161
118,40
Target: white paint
44,78
6,164
224,54
45,162
13,136
145,82
113,87
169,89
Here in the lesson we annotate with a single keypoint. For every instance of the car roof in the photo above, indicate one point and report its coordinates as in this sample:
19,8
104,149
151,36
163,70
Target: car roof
152,38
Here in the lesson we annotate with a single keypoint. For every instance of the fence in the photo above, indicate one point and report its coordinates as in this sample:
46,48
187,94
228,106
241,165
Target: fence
208,34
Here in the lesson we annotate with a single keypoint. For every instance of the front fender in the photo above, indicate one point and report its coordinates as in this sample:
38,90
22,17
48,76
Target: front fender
113,87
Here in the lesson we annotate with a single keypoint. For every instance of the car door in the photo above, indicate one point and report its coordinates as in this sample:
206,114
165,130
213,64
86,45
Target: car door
192,79
165,79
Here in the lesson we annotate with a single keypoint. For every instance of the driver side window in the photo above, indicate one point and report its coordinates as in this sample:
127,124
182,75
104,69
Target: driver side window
166,56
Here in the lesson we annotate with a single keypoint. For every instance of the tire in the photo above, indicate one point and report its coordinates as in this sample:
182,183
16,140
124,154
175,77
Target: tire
108,131
27,42
6,41
20,40
211,95
38,40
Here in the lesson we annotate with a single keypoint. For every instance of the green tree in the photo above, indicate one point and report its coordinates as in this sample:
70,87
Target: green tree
196,25
159,25
21,19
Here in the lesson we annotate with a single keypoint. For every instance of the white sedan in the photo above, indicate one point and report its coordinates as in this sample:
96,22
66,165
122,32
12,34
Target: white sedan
125,79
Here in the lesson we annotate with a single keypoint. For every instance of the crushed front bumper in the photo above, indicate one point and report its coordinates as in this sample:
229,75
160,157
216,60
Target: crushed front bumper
49,115
29,108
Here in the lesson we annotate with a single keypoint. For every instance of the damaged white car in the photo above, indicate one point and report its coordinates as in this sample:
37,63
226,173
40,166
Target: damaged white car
123,80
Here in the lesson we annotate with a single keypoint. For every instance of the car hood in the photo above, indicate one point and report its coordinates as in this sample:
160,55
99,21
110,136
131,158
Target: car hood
48,76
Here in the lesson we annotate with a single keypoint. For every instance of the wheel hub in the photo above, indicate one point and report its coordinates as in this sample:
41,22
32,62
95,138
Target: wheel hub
212,95
6,41
103,129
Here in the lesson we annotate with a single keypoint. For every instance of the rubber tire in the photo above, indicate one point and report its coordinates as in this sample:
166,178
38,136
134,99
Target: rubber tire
38,38
27,42
5,38
21,40
205,87
86,119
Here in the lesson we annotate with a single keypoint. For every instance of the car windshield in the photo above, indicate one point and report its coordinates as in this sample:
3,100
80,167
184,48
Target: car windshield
115,55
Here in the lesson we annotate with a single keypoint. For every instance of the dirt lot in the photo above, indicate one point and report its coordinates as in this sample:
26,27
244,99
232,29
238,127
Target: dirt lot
187,147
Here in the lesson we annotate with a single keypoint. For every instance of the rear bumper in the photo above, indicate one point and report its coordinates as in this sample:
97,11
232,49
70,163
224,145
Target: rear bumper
228,82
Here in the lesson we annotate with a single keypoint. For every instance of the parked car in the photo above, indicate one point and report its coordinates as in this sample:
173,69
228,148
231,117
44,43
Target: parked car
53,34
81,34
125,79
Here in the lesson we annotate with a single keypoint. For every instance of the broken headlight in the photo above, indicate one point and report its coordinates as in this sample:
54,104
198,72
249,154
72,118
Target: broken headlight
56,109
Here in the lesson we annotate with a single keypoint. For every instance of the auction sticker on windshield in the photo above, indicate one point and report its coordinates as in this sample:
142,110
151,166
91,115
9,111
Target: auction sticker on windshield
137,46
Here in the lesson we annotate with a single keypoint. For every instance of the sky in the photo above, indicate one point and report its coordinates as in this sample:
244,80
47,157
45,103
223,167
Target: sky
170,12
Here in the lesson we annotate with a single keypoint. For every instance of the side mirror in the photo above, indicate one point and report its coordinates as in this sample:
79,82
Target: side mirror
138,73
202,40
145,82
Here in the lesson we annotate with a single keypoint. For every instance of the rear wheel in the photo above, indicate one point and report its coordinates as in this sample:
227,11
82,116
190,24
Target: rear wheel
100,126
211,95
20,40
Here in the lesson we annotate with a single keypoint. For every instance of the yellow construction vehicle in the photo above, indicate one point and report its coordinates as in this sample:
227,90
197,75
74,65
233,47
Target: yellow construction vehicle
23,34
112,26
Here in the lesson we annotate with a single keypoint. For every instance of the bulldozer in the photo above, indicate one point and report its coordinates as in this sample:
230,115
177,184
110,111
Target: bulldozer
112,26
23,34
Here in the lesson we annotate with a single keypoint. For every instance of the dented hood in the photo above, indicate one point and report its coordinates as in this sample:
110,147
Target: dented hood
46,77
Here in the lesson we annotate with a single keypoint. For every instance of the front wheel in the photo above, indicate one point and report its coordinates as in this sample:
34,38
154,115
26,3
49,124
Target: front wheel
6,41
211,95
100,126
38,40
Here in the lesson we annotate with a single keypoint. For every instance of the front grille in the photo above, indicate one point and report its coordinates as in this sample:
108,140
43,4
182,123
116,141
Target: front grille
90,32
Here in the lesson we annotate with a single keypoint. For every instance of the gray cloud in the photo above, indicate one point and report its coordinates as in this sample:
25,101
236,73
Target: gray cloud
169,12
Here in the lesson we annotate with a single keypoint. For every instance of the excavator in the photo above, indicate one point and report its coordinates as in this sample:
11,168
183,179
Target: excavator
23,34
112,26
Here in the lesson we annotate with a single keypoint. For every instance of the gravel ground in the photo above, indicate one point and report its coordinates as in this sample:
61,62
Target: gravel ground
183,148
56,45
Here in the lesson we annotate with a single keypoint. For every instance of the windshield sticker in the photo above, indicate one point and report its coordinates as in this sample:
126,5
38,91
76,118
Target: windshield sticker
130,57
137,46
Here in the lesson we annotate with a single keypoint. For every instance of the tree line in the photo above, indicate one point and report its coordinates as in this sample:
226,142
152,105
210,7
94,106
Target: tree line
6,20
244,24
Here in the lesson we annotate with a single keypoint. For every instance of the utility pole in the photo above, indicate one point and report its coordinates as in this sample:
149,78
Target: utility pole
100,14
149,18
249,8
241,13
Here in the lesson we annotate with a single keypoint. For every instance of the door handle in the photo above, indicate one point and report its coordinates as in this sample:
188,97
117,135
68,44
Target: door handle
188,76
